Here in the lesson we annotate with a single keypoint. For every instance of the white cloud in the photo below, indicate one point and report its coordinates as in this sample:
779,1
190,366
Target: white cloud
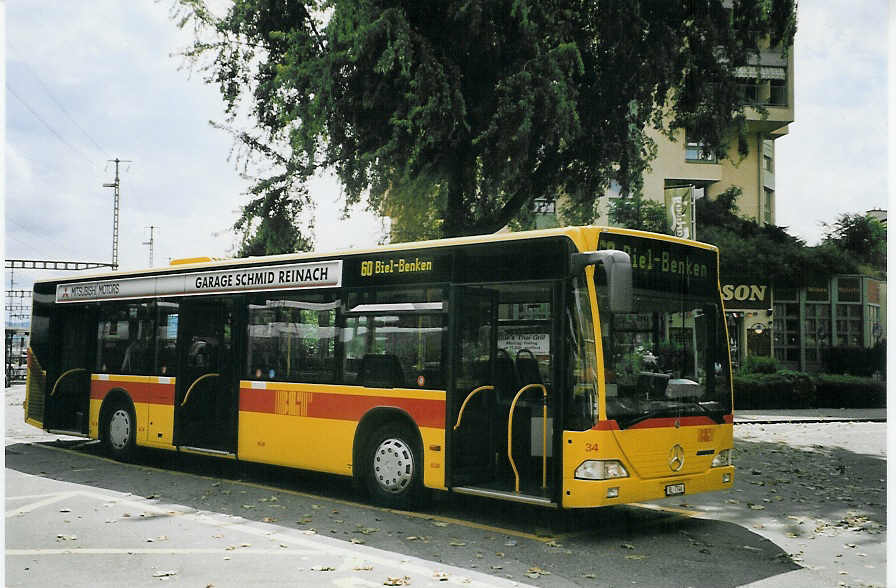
834,159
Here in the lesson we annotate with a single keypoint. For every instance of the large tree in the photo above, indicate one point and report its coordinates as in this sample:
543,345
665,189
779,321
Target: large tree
863,238
453,116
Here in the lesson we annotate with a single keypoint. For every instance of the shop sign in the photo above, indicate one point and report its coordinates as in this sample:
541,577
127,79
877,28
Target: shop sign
848,290
746,296
873,290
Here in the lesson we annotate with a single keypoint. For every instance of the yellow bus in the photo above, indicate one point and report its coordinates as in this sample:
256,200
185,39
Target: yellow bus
573,367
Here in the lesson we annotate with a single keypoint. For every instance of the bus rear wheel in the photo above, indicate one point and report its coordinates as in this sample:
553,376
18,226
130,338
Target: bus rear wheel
120,431
393,473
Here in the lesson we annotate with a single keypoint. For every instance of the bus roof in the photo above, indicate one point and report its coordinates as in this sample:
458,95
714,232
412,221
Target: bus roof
583,236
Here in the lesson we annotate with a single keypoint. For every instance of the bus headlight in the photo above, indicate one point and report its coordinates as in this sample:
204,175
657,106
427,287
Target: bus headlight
723,458
601,469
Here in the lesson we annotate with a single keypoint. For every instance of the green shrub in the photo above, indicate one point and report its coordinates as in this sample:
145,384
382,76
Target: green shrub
837,391
855,361
762,391
789,389
757,364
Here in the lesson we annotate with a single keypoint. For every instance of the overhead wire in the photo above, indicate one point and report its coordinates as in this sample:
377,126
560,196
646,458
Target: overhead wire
59,104
49,127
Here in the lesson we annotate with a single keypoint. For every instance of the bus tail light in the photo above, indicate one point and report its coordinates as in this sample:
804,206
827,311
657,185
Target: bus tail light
723,458
601,469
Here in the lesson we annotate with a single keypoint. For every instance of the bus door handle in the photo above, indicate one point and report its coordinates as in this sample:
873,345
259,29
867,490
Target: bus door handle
466,400
65,373
193,385
544,435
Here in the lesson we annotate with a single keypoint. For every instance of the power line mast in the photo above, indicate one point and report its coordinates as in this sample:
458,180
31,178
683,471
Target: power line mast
150,243
116,185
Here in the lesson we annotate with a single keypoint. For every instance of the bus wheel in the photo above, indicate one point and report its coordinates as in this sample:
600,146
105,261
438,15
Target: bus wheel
120,428
394,467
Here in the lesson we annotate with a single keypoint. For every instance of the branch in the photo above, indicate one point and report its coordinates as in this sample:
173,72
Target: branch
522,197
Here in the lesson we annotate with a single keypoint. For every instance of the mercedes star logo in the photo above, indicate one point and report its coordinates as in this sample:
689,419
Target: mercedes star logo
676,458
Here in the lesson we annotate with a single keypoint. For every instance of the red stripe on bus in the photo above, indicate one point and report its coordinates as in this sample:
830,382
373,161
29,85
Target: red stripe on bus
606,426
257,400
729,418
661,423
138,391
426,413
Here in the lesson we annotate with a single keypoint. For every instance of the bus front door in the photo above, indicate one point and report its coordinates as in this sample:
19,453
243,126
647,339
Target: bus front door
472,423
205,395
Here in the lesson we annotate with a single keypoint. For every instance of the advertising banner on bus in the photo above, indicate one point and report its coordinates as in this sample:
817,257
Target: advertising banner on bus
321,274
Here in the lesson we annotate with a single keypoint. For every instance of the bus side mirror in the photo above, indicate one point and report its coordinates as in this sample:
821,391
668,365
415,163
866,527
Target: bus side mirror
618,266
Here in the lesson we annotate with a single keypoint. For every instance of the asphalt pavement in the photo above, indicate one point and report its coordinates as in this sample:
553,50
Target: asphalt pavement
830,528
811,415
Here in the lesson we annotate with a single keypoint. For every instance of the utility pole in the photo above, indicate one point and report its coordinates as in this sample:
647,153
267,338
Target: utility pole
116,186
150,243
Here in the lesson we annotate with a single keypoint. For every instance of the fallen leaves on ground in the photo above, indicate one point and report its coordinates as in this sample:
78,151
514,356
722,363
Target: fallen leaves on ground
164,573
536,571
402,581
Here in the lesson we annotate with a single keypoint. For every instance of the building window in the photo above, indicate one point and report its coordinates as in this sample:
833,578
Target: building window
787,331
849,325
817,329
696,152
769,207
763,86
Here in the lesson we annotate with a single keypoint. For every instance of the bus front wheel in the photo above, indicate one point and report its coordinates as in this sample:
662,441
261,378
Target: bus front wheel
394,467
120,431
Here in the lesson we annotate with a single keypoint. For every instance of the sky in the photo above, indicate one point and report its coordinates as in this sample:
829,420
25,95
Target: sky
87,82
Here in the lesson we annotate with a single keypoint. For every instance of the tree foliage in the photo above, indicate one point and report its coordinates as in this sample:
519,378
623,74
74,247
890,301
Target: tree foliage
636,212
769,252
453,116
861,236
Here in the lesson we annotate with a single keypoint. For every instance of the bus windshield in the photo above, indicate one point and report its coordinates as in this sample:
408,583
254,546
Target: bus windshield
667,358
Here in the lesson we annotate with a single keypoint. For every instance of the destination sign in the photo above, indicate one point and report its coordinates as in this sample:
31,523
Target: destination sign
666,265
321,274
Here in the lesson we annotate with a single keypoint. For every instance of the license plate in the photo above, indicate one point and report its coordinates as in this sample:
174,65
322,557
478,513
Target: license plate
674,489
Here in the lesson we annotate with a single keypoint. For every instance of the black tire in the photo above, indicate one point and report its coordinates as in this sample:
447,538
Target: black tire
120,430
393,467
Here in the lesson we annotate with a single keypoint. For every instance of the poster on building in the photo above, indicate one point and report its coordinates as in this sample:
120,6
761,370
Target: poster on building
680,211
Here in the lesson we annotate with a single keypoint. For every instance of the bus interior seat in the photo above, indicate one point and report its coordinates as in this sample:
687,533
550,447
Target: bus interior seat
527,368
506,380
381,371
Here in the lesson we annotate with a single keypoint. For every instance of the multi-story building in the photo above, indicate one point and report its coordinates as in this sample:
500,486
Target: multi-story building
684,171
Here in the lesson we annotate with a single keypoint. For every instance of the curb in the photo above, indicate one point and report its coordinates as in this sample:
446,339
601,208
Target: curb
795,421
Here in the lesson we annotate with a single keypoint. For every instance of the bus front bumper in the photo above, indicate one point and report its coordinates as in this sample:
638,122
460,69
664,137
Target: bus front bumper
580,493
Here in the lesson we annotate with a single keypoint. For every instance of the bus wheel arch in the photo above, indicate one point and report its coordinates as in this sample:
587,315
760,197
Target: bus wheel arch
118,424
391,434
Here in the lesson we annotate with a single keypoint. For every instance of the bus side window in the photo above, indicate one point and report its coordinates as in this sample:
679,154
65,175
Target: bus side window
124,339
166,339
292,338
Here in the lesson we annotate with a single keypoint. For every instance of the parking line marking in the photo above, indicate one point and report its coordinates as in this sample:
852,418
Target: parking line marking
32,496
40,503
158,551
